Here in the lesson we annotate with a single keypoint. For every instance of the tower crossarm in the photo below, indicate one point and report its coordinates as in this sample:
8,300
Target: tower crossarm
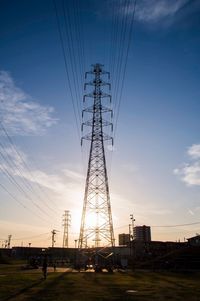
93,94
91,109
97,68
94,82
90,123
91,136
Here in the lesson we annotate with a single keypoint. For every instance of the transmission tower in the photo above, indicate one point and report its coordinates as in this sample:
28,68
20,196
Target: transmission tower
66,225
96,223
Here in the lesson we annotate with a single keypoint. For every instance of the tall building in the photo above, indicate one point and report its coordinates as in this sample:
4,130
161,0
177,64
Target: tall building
142,233
124,239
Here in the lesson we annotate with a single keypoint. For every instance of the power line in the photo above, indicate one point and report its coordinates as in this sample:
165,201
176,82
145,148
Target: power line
122,27
12,164
20,169
22,204
12,196
165,226
178,225
125,65
72,63
72,54
20,188
31,237
66,67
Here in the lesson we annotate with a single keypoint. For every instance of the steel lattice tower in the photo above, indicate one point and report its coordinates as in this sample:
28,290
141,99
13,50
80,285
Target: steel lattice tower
66,225
96,224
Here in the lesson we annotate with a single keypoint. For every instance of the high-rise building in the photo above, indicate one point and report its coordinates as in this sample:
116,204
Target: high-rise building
142,233
124,239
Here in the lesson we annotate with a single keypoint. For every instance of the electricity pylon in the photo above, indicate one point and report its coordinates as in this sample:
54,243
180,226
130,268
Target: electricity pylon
66,225
96,223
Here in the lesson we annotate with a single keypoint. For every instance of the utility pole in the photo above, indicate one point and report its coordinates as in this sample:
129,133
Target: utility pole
96,223
53,234
66,225
9,240
131,233
132,225
75,241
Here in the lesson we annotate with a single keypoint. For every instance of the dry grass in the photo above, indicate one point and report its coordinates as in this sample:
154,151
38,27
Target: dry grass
18,285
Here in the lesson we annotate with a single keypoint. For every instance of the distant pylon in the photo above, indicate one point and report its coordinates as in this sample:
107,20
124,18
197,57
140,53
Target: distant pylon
66,225
96,223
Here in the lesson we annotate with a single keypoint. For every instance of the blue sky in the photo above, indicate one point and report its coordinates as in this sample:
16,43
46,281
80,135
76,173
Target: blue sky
154,168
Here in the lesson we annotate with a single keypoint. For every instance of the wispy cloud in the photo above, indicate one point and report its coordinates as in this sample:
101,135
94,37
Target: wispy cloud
194,210
57,183
190,212
62,184
12,155
152,11
73,174
194,151
190,172
19,112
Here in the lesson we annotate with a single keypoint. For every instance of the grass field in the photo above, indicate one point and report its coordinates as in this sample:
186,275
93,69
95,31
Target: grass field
19,285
